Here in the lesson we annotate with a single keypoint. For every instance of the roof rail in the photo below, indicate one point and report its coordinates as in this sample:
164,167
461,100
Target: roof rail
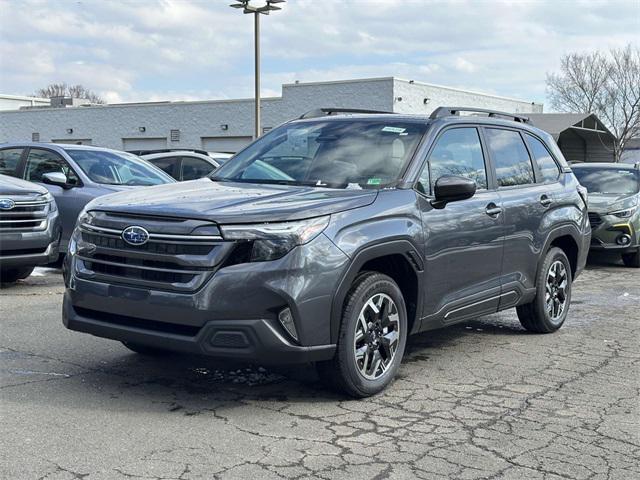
448,111
323,112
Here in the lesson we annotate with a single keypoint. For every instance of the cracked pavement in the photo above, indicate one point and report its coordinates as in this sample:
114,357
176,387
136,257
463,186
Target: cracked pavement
483,399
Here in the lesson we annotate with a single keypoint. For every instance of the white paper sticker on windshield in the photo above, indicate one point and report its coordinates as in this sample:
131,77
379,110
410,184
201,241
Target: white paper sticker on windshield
394,129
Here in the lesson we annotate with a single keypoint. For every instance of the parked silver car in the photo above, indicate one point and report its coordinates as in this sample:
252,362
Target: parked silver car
76,174
29,228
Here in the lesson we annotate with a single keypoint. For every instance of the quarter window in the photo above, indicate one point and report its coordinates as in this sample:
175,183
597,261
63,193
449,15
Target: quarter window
9,159
510,157
546,164
40,162
457,152
194,168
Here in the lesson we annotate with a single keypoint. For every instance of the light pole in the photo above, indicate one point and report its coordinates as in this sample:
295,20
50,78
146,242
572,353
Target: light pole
265,9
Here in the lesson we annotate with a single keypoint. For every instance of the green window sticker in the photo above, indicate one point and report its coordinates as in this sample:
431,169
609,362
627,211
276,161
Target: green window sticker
374,181
394,129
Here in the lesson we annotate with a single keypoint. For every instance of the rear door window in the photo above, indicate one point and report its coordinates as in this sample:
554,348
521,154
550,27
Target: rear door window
510,157
546,164
194,168
9,160
41,161
168,164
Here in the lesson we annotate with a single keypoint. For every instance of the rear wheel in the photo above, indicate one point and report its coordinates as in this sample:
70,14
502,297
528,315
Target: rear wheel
145,349
632,259
372,337
548,310
12,275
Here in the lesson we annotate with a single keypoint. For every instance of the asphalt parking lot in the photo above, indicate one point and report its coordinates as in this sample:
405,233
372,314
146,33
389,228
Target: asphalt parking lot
483,399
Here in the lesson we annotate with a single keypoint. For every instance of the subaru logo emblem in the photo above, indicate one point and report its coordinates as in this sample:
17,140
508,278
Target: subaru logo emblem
6,204
135,235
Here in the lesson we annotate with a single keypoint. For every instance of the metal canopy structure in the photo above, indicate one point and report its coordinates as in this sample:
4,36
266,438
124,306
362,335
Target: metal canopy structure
582,137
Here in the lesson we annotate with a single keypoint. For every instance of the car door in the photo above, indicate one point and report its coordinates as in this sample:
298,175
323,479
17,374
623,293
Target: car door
525,204
70,200
463,241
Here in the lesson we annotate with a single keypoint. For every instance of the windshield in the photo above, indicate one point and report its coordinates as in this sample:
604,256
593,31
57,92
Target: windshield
337,153
117,168
611,181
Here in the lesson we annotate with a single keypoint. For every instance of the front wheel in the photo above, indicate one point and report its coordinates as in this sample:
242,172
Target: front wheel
12,275
632,259
548,310
372,337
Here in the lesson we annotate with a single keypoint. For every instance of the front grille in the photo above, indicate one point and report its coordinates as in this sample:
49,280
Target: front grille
167,261
151,247
594,219
26,216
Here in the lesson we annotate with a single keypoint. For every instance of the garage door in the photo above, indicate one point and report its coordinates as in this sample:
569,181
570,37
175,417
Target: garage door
225,144
144,143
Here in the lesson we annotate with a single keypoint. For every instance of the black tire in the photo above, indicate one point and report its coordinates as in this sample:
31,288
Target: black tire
146,350
12,275
535,316
632,260
343,370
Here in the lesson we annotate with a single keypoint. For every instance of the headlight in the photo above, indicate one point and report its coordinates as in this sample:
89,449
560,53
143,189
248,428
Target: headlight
271,241
626,213
47,197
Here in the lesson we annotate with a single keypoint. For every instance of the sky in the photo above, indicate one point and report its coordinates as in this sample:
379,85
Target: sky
154,50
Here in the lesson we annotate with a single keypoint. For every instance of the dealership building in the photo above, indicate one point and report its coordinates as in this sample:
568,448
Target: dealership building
227,125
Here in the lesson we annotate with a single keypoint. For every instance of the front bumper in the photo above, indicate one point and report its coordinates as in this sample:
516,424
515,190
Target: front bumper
49,255
245,340
24,249
606,233
237,305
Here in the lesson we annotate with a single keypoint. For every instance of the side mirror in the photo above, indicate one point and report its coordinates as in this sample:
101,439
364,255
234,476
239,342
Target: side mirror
452,188
56,178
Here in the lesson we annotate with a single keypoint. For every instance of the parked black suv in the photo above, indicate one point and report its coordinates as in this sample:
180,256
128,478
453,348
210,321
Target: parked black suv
332,238
30,228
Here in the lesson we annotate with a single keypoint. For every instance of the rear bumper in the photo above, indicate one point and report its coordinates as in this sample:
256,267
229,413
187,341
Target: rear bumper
253,340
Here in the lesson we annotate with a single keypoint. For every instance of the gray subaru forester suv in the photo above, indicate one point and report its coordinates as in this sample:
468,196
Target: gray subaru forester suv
332,238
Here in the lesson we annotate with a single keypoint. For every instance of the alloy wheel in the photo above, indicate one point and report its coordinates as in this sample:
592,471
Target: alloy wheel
556,293
377,335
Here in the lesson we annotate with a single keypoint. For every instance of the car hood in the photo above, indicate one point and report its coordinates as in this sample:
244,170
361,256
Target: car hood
608,203
229,202
16,186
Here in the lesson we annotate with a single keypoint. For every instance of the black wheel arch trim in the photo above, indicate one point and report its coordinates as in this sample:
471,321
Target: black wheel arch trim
362,256
570,230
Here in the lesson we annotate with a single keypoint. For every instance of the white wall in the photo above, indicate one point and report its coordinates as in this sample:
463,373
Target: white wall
108,125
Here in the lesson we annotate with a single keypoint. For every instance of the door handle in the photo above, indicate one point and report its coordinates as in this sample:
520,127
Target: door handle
493,210
545,201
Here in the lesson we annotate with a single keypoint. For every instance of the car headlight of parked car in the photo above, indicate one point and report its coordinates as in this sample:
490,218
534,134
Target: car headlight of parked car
626,213
47,197
270,241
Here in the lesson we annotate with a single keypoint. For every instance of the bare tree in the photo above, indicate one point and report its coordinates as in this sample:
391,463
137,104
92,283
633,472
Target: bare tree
64,90
604,83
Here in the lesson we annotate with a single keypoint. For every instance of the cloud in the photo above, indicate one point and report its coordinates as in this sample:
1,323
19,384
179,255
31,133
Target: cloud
134,50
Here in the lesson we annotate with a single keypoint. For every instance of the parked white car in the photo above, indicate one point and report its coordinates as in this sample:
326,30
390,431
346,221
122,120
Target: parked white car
186,164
